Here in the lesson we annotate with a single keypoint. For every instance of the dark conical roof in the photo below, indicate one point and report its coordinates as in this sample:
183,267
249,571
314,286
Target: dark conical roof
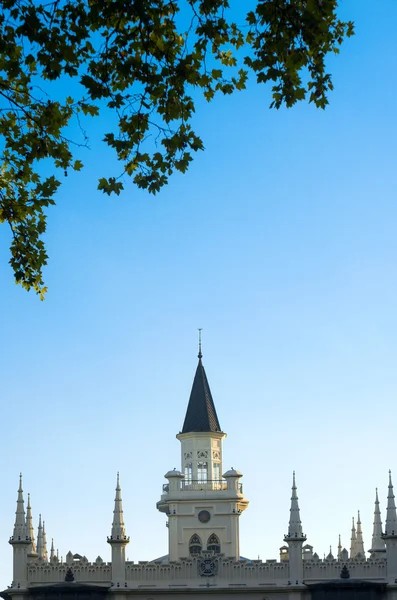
201,414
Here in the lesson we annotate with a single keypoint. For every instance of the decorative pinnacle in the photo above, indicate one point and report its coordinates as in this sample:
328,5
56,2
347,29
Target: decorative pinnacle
20,533
40,538
29,526
359,540
391,516
378,545
200,356
118,534
295,525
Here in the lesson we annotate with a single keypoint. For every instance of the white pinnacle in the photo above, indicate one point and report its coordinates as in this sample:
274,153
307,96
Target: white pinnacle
378,545
295,524
359,541
40,540
19,532
118,527
29,526
339,548
353,541
45,552
391,516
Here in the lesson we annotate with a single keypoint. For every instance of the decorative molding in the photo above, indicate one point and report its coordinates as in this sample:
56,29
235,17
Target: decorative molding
202,453
207,567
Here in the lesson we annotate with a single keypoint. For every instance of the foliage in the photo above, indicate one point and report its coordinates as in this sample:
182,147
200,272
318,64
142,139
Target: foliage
143,60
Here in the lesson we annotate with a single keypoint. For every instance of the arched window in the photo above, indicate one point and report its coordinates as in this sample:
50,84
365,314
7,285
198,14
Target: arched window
214,544
195,544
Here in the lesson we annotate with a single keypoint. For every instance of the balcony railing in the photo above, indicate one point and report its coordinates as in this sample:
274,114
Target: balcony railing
194,485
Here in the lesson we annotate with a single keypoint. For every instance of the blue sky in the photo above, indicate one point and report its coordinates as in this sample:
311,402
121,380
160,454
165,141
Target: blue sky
280,242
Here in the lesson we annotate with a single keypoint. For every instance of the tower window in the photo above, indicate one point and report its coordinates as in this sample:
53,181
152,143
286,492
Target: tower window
202,472
213,544
195,545
217,471
188,472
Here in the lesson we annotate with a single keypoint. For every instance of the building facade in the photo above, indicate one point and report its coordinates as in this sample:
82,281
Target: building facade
203,505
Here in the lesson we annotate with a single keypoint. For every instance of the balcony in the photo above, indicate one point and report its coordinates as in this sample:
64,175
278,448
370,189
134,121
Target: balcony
194,485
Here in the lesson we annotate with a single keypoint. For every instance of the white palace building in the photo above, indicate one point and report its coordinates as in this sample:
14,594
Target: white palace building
202,505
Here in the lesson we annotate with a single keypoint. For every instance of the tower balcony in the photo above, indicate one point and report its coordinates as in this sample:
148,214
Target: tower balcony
195,485
189,490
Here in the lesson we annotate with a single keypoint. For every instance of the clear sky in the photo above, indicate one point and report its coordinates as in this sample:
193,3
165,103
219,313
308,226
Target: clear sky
280,242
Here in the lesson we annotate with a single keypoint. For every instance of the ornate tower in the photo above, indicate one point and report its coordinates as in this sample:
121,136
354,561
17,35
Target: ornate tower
295,538
203,507
359,539
30,531
353,541
390,535
378,548
118,540
20,542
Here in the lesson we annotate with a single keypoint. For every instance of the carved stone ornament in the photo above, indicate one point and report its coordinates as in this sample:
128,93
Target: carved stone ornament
202,454
188,455
207,567
216,454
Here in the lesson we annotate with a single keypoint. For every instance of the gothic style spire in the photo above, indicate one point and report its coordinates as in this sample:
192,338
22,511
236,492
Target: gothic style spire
45,552
201,414
391,516
20,532
295,524
359,541
40,546
118,527
29,527
339,548
353,541
52,551
378,545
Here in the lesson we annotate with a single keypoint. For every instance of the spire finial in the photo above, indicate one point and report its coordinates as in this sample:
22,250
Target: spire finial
118,533
29,526
19,532
200,356
295,525
353,541
359,540
378,545
391,515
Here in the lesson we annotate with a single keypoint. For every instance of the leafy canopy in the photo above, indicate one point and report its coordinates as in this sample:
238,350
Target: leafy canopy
142,59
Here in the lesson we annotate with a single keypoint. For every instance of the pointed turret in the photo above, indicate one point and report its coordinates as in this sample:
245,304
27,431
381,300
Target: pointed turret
118,527
295,539
390,535
378,545
118,539
20,542
20,532
40,540
201,414
201,476
52,551
30,529
45,552
353,541
339,548
295,525
391,516
359,540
